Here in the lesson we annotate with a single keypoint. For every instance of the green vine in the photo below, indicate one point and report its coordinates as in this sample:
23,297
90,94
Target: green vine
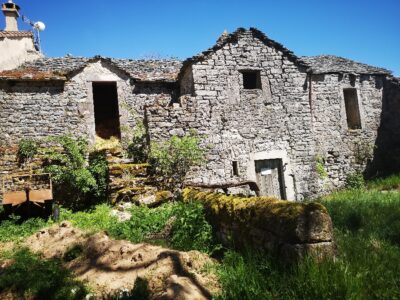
320,167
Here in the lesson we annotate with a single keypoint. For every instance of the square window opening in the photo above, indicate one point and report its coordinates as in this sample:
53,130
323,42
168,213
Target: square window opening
352,108
251,80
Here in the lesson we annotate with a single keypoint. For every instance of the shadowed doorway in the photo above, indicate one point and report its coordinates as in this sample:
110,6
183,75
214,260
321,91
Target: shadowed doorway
106,112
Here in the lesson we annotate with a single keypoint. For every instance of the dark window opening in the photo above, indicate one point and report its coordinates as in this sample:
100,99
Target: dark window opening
251,80
106,112
352,79
235,168
352,108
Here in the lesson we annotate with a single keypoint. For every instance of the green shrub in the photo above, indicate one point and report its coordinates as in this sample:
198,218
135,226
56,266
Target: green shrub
144,222
30,277
27,149
138,147
78,182
173,158
96,219
355,181
191,229
98,167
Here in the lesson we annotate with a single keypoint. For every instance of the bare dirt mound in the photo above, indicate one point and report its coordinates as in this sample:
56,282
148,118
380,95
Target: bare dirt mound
109,266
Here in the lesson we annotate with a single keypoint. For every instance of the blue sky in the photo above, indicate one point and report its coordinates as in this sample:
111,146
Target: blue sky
363,30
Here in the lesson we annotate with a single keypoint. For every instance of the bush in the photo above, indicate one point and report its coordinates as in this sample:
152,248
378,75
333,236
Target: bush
173,158
27,149
143,223
191,229
138,148
355,181
78,182
98,167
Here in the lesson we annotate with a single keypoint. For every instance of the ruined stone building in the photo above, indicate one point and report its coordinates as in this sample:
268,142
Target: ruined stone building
296,125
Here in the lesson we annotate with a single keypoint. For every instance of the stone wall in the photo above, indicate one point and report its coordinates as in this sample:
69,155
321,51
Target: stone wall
34,110
245,125
39,109
387,151
341,150
132,96
295,116
288,229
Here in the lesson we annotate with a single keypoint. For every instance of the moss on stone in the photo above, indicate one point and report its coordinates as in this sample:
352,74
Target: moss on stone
283,218
163,195
132,169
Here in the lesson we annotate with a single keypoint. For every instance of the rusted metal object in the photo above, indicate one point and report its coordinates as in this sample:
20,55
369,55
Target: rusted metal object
35,188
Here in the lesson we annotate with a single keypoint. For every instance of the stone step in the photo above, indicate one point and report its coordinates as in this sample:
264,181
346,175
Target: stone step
131,194
134,170
120,183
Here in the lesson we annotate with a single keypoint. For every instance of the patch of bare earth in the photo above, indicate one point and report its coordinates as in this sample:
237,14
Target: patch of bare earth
109,266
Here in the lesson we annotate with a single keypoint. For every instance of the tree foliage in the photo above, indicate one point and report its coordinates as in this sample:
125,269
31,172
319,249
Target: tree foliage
78,181
173,158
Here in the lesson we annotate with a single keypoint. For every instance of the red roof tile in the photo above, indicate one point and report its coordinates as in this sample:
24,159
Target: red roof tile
12,34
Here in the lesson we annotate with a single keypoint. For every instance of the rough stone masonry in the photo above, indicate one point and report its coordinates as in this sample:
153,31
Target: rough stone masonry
298,126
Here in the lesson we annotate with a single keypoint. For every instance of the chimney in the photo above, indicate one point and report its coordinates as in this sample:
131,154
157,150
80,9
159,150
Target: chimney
11,12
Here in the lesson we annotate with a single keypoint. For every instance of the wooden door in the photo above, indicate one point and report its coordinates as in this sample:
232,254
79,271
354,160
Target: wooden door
270,178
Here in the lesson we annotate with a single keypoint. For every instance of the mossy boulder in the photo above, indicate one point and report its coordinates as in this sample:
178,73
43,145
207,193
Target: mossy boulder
269,221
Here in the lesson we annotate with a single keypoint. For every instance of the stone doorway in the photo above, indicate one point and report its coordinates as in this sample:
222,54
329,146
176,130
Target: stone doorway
106,111
269,174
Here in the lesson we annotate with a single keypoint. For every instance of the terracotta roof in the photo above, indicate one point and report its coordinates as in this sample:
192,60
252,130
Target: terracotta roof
226,38
141,70
12,34
30,74
335,64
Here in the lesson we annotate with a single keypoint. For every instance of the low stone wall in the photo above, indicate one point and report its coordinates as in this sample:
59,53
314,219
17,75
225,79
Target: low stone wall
288,229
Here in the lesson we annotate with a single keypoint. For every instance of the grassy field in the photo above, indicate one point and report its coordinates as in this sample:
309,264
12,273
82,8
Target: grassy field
367,233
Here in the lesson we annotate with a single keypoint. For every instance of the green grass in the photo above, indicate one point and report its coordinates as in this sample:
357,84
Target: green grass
31,277
367,231
366,213
189,228
387,183
13,230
